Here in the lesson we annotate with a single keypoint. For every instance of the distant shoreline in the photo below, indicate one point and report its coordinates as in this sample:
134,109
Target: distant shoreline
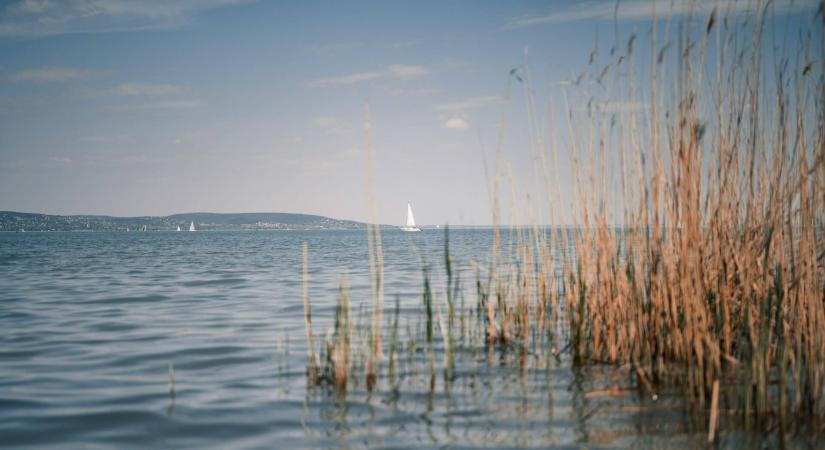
12,221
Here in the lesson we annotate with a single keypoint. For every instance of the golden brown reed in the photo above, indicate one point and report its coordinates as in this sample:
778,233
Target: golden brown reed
693,251
716,272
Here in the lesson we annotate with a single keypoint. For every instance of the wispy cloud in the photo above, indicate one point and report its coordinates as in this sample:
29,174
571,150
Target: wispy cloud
156,96
345,79
470,103
395,71
412,92
151,90
333,125
60,159
50,74
643,10
456,123
54,17
405,71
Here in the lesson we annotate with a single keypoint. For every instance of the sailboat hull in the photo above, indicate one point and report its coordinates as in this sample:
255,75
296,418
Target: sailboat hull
410,229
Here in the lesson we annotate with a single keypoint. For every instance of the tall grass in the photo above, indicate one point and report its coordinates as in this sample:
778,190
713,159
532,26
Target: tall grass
717,273
376,258
695,255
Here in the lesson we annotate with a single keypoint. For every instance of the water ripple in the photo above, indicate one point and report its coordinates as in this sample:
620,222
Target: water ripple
93,322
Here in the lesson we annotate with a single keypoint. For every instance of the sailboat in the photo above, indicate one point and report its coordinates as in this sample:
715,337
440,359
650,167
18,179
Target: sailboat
178,228
410,225
192,226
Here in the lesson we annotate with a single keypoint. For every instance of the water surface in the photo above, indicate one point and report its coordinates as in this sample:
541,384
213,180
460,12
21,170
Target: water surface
91,323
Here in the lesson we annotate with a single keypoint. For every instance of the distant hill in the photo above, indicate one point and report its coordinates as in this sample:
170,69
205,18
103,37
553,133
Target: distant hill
248,218
16,221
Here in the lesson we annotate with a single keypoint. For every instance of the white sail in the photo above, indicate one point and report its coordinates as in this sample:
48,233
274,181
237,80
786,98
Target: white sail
410,218
410,225
178,228
192,226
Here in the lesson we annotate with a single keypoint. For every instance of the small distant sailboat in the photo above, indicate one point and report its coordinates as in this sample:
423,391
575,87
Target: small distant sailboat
410,225
178,228
192,226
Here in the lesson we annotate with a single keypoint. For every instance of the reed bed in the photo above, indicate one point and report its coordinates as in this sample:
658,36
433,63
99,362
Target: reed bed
717,272
694,255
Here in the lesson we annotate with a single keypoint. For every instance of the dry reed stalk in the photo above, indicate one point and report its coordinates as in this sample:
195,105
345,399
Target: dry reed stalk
696,253
710,271
376,256
714,412
339,346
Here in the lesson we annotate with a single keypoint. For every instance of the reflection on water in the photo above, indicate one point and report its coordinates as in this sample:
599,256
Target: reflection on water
196,339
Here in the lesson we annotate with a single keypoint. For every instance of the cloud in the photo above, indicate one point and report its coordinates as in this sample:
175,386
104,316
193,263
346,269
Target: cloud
412,92
60,159
395,71
32,18
50,74
143,89
470,103
405,71
32,6
643,10
456,123
345,80
333,125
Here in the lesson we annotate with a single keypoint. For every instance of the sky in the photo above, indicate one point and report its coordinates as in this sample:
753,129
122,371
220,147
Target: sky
156,107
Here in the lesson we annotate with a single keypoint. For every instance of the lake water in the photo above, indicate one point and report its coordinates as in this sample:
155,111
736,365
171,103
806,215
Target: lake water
91,323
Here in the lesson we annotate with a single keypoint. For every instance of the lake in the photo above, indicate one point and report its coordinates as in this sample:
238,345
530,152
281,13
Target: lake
92,322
